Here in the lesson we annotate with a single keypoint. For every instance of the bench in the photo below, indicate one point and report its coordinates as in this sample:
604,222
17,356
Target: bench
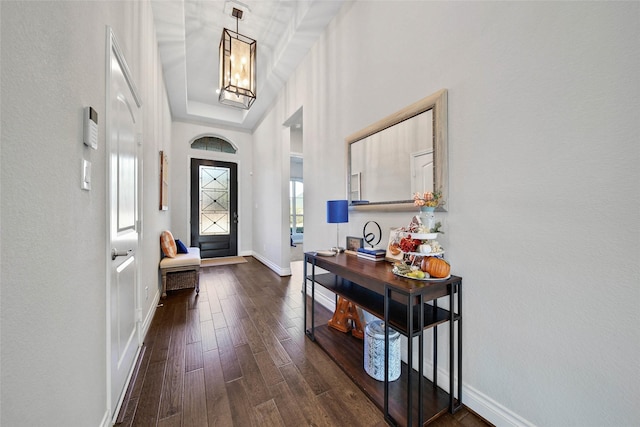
179,270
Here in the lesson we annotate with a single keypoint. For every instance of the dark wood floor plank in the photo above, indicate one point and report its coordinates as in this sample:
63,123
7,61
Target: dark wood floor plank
233,309
160,348
253,336
257,389
193,326
312,376
270,372
271,342
173,386
237,334
172,421
340,414
241,407
276,351
204,310
209,341
214,300
219,320
305,397
193,356
146,413
218,408
228,357
132,394
195,403
267,414
288,405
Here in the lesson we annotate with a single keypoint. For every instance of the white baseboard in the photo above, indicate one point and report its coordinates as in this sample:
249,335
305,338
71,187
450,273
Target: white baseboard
106,420
144,328
280,271
491,410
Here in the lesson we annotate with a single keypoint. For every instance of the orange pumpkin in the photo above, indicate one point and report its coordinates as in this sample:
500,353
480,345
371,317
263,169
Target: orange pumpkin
436,267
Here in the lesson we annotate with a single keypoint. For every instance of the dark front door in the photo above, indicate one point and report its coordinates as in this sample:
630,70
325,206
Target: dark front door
214,208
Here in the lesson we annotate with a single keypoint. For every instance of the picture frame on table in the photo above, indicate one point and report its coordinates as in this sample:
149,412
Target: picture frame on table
394,253
354,243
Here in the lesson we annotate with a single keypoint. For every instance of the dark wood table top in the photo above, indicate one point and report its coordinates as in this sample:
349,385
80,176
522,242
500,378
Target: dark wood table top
375,275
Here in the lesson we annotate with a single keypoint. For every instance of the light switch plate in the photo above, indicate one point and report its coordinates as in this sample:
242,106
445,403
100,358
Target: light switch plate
86,174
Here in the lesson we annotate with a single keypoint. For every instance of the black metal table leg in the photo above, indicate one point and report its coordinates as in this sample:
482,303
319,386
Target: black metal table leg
409,360
421,360
459,286
435,346
452,350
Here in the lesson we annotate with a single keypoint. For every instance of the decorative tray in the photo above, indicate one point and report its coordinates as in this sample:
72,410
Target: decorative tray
425,254
421,236
426,279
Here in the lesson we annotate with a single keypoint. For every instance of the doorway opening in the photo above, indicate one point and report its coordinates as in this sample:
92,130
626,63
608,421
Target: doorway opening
214,207
296,186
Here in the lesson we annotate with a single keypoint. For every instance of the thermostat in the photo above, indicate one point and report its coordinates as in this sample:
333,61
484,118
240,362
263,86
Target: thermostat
90,127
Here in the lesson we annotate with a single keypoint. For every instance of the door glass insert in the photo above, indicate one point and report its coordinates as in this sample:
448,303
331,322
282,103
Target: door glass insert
214,200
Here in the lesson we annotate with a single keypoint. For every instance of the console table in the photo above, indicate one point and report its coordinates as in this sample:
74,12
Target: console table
406,305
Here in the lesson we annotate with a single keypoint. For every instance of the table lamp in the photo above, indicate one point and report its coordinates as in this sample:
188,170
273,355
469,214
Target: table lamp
337,212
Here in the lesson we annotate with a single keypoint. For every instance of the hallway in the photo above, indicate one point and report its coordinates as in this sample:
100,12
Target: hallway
236,355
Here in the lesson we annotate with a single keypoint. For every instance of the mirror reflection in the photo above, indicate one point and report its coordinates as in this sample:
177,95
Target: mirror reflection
398,156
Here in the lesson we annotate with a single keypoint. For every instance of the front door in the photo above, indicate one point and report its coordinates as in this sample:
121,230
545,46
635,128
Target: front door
214,208
123,127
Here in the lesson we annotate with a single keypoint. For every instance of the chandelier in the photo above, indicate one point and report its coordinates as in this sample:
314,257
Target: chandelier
237,67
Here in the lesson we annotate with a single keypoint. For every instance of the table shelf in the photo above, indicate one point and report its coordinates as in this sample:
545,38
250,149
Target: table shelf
402,303
374,304
347,352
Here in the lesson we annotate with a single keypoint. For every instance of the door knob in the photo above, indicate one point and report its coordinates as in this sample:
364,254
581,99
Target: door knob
115,254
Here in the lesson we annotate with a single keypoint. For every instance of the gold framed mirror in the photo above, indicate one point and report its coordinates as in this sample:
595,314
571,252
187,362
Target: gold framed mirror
399,155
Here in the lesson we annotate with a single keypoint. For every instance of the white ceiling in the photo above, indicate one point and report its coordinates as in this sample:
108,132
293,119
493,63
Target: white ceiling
189,33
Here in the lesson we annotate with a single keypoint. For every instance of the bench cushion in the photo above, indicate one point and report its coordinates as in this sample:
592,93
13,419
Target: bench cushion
181,260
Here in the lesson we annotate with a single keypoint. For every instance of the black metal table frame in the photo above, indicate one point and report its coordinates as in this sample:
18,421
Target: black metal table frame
453,289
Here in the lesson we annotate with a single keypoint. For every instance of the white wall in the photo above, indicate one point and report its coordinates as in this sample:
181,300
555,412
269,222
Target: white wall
183,135
53,257
544,183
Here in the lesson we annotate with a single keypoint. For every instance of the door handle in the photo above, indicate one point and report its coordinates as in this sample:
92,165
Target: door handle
115,254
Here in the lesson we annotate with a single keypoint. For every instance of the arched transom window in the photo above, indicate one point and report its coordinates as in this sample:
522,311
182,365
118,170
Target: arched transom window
213,143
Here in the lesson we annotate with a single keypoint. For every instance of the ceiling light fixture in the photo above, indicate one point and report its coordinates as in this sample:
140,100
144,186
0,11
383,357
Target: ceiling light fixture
237,67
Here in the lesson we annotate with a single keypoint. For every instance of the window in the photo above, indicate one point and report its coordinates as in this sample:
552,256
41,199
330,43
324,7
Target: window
213,143
296,217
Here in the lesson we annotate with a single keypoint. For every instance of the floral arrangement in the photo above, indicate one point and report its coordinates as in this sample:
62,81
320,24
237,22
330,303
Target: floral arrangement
428,198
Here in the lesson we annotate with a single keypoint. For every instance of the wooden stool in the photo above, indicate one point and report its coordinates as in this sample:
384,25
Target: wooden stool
347,318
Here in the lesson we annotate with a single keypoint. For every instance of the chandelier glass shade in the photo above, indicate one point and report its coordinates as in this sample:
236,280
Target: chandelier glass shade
237,70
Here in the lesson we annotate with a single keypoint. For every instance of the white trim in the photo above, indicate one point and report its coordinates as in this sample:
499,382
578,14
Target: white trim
280,271
491,410
144,328
105,422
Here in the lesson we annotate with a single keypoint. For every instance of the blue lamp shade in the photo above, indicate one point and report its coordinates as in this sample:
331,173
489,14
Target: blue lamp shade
337,211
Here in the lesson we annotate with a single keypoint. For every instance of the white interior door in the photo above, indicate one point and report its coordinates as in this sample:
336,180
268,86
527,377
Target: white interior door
123,125
422,172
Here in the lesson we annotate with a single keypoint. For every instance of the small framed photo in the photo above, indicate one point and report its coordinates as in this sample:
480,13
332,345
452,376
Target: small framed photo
394,253
354,243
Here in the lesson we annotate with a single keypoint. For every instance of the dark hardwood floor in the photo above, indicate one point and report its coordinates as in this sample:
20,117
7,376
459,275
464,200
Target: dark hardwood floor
236,355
